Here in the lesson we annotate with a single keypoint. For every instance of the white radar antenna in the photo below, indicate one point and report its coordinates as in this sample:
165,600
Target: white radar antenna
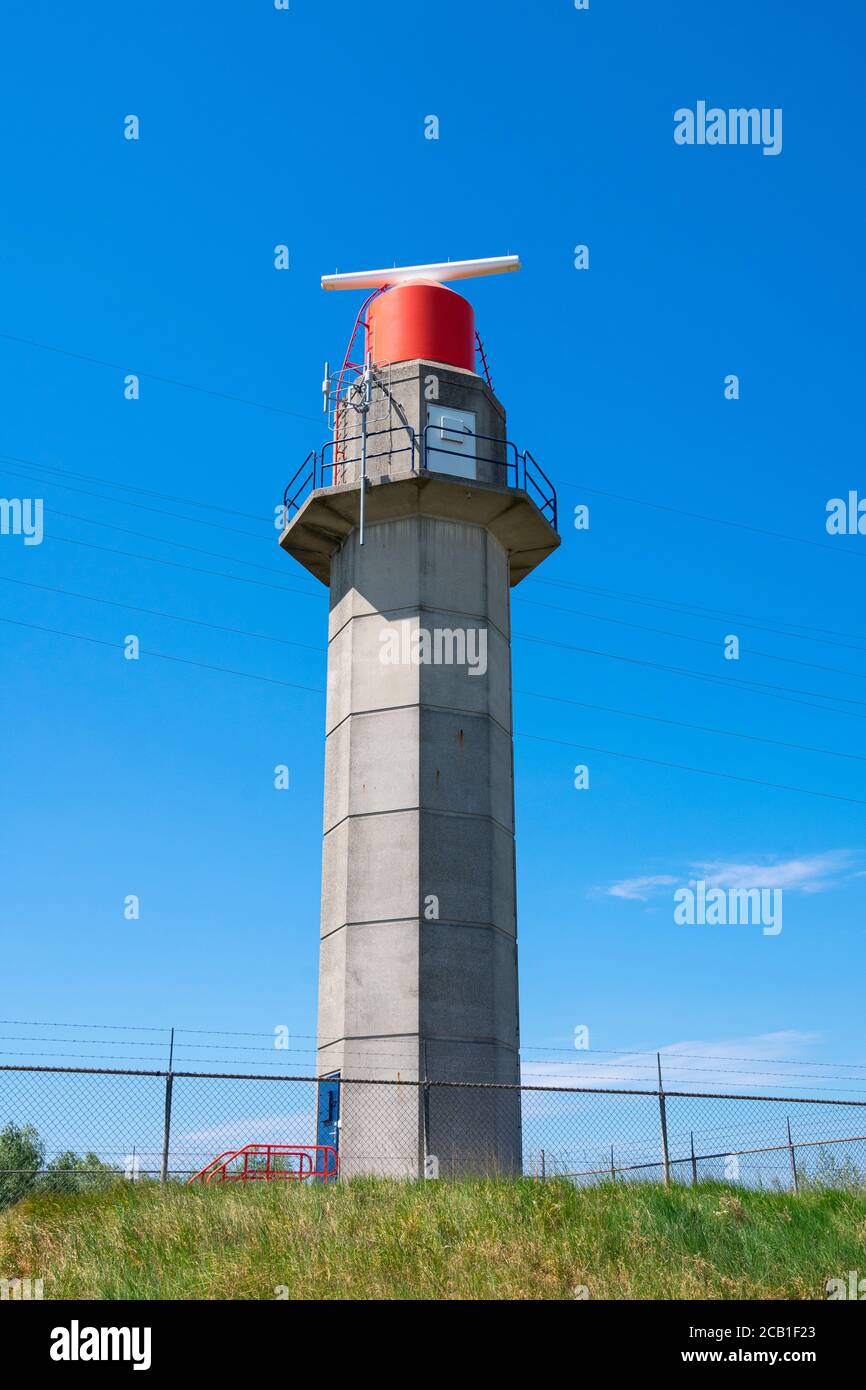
439,271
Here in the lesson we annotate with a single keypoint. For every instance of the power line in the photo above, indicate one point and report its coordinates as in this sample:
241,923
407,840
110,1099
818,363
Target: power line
751,687
151,376
594,617
269,569
735,682
560,483
531,694
694,610
731,682
164,656
687,637
698,728
126,502
128,487
177,617
621,596
685,767
164,540
270,680
178,565
715,520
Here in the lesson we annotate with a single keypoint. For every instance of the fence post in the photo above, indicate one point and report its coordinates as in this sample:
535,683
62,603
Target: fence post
694,1160
425,1113
425,1123
612,1169
663,1119
166,1128
794,1181
542,1166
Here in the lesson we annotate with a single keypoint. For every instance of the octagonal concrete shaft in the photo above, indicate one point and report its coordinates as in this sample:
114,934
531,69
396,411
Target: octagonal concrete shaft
418,957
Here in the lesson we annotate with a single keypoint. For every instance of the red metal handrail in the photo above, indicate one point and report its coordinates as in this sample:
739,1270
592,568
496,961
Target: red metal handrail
306,1154
349,365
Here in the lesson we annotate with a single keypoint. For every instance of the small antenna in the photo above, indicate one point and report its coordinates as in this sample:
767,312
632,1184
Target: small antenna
326,388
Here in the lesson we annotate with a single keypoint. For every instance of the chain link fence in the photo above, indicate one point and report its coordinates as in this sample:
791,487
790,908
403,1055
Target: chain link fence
71,1127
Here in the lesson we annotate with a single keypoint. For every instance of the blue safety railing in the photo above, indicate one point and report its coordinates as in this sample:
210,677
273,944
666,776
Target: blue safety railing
326,469
513,468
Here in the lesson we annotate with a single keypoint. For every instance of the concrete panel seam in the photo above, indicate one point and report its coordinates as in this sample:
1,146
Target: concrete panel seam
373,922
369,1037
417,608
510,936
414,810
421,705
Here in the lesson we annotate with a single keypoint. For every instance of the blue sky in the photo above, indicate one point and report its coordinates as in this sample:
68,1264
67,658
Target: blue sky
707,517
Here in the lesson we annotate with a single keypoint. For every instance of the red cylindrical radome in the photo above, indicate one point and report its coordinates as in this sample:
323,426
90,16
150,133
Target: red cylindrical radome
421,319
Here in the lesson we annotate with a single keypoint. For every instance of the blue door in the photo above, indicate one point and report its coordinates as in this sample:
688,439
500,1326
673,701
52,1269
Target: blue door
328,1121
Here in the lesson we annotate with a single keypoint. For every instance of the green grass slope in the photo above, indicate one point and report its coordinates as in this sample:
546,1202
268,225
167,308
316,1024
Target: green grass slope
374,1239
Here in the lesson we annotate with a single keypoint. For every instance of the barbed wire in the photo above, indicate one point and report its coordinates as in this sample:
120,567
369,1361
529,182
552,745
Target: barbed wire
674,1064
667,1056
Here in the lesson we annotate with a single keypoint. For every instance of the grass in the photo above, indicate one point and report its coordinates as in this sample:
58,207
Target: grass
375,1239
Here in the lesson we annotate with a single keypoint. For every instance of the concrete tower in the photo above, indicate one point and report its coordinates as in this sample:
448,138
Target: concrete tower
418,964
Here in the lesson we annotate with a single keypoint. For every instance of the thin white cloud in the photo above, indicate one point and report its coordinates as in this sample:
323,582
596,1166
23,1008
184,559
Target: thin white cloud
815,873
812,874
639,889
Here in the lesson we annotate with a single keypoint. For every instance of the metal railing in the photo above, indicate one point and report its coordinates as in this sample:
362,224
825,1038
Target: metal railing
322,468
533,476
271,1163
336,465
517,470
85,1127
